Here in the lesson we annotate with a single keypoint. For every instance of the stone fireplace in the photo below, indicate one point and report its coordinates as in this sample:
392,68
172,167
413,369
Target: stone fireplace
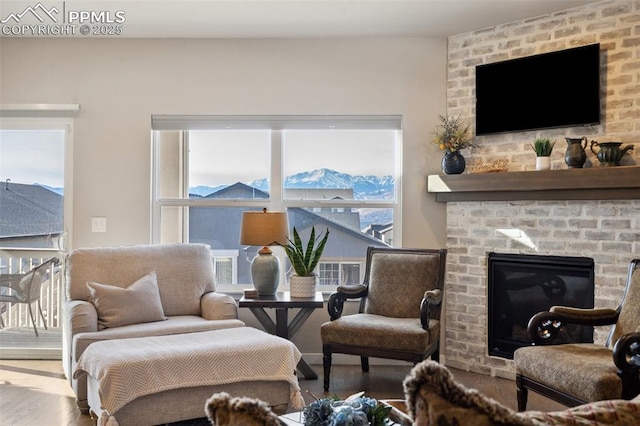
592,212
605,230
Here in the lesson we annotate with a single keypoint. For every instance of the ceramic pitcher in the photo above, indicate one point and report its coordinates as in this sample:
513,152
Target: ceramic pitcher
575,156
609,153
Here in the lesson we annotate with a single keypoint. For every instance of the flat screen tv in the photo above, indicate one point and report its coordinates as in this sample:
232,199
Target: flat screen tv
557,89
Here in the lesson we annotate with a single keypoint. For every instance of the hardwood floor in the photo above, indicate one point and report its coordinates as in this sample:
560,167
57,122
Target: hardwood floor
35,392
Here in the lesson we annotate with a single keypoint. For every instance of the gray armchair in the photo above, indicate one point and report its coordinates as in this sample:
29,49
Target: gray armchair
577,373
399,314
25,288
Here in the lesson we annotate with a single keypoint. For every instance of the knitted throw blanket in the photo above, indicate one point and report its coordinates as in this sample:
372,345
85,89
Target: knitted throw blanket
127,369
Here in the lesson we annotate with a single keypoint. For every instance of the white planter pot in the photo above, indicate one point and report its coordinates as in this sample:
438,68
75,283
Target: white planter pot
302,286
543,163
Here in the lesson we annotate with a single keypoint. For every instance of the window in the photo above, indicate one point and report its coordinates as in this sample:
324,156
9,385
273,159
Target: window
335,274
35,198
337,173
32,165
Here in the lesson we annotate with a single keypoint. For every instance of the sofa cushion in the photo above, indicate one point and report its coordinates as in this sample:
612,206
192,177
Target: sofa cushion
138,303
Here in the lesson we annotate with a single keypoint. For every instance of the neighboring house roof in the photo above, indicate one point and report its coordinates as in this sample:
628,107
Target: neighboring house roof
305,219
238,190
375,227
318,193
29,210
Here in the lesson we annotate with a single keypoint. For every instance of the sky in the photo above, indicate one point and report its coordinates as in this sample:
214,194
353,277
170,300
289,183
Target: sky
32,156
245,155
37,156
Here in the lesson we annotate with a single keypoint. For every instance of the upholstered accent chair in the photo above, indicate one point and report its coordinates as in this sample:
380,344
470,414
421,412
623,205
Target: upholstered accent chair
399,312
576,373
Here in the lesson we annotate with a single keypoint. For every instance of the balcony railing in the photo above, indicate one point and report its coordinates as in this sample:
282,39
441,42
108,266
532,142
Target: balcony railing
51,294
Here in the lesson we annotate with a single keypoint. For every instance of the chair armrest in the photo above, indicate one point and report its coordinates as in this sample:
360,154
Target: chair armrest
218,306
430,298
545,327
81,317
598,316
342,293
626,351
626,356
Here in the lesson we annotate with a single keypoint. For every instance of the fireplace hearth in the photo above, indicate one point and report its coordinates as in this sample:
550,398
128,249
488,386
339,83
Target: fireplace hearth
521,285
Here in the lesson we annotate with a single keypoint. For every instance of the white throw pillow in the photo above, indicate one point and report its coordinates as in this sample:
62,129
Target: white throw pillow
117,306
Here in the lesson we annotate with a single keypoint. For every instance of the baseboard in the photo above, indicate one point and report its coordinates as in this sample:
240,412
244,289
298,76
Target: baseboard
31,353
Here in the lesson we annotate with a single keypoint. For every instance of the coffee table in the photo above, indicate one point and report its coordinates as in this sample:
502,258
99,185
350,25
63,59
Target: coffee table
282,302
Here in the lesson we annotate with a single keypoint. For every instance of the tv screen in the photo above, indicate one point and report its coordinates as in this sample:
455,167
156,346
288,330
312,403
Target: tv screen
557,89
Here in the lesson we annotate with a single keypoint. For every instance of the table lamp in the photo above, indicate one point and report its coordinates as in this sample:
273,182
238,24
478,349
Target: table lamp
264,229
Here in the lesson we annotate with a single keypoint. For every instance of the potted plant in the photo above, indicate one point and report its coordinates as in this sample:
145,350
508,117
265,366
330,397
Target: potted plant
452,135
304,258
543,147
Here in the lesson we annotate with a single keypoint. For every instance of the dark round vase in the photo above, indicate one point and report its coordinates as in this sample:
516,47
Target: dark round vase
453,163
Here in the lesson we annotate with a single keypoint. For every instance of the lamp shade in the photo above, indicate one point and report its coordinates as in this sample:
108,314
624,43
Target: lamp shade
264,228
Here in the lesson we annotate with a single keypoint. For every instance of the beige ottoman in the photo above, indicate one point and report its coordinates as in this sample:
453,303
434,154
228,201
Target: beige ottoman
162,379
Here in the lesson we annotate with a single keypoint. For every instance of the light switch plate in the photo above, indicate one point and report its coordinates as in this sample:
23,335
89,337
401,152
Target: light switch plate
98,224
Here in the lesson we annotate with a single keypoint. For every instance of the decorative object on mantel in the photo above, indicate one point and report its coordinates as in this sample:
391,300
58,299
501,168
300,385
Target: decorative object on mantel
453,163
451,136
575,156
609,153
303,282
543,148
495,166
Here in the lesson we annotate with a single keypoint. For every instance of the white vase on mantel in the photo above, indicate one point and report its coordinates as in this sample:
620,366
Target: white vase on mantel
543,163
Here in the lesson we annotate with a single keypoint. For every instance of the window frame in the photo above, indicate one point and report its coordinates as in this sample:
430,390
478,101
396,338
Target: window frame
25,117
276,201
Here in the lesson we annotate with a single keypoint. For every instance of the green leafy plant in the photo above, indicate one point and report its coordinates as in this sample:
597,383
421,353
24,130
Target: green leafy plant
542,147
305,261
452,134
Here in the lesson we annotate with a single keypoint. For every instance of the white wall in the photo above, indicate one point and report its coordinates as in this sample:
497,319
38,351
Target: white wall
119,83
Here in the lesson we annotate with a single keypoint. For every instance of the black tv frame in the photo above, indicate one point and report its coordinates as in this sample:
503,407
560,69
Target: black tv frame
548,90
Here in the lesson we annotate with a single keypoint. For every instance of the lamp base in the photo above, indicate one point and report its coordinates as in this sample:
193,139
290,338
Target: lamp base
265,272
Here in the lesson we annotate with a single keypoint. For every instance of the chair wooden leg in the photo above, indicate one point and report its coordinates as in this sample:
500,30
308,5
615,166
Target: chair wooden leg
630,384
435,356
521,393
364,362
326,365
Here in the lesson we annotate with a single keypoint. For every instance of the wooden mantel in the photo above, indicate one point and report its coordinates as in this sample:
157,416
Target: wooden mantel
597,183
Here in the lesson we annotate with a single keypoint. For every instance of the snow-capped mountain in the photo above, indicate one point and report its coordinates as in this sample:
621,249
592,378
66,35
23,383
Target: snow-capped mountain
203,191
363,186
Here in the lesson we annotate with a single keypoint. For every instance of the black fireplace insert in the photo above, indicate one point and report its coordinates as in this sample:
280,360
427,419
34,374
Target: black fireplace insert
520,286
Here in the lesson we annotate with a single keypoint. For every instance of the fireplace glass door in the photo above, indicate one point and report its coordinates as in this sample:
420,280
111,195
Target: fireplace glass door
520,286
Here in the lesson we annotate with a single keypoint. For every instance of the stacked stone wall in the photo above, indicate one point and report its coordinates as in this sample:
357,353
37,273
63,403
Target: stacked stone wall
607,231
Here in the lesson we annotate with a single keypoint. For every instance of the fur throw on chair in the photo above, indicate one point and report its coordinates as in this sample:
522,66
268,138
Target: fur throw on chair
223,410
434,398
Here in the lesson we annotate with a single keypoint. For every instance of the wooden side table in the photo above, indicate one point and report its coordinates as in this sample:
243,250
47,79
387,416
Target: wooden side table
282,302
